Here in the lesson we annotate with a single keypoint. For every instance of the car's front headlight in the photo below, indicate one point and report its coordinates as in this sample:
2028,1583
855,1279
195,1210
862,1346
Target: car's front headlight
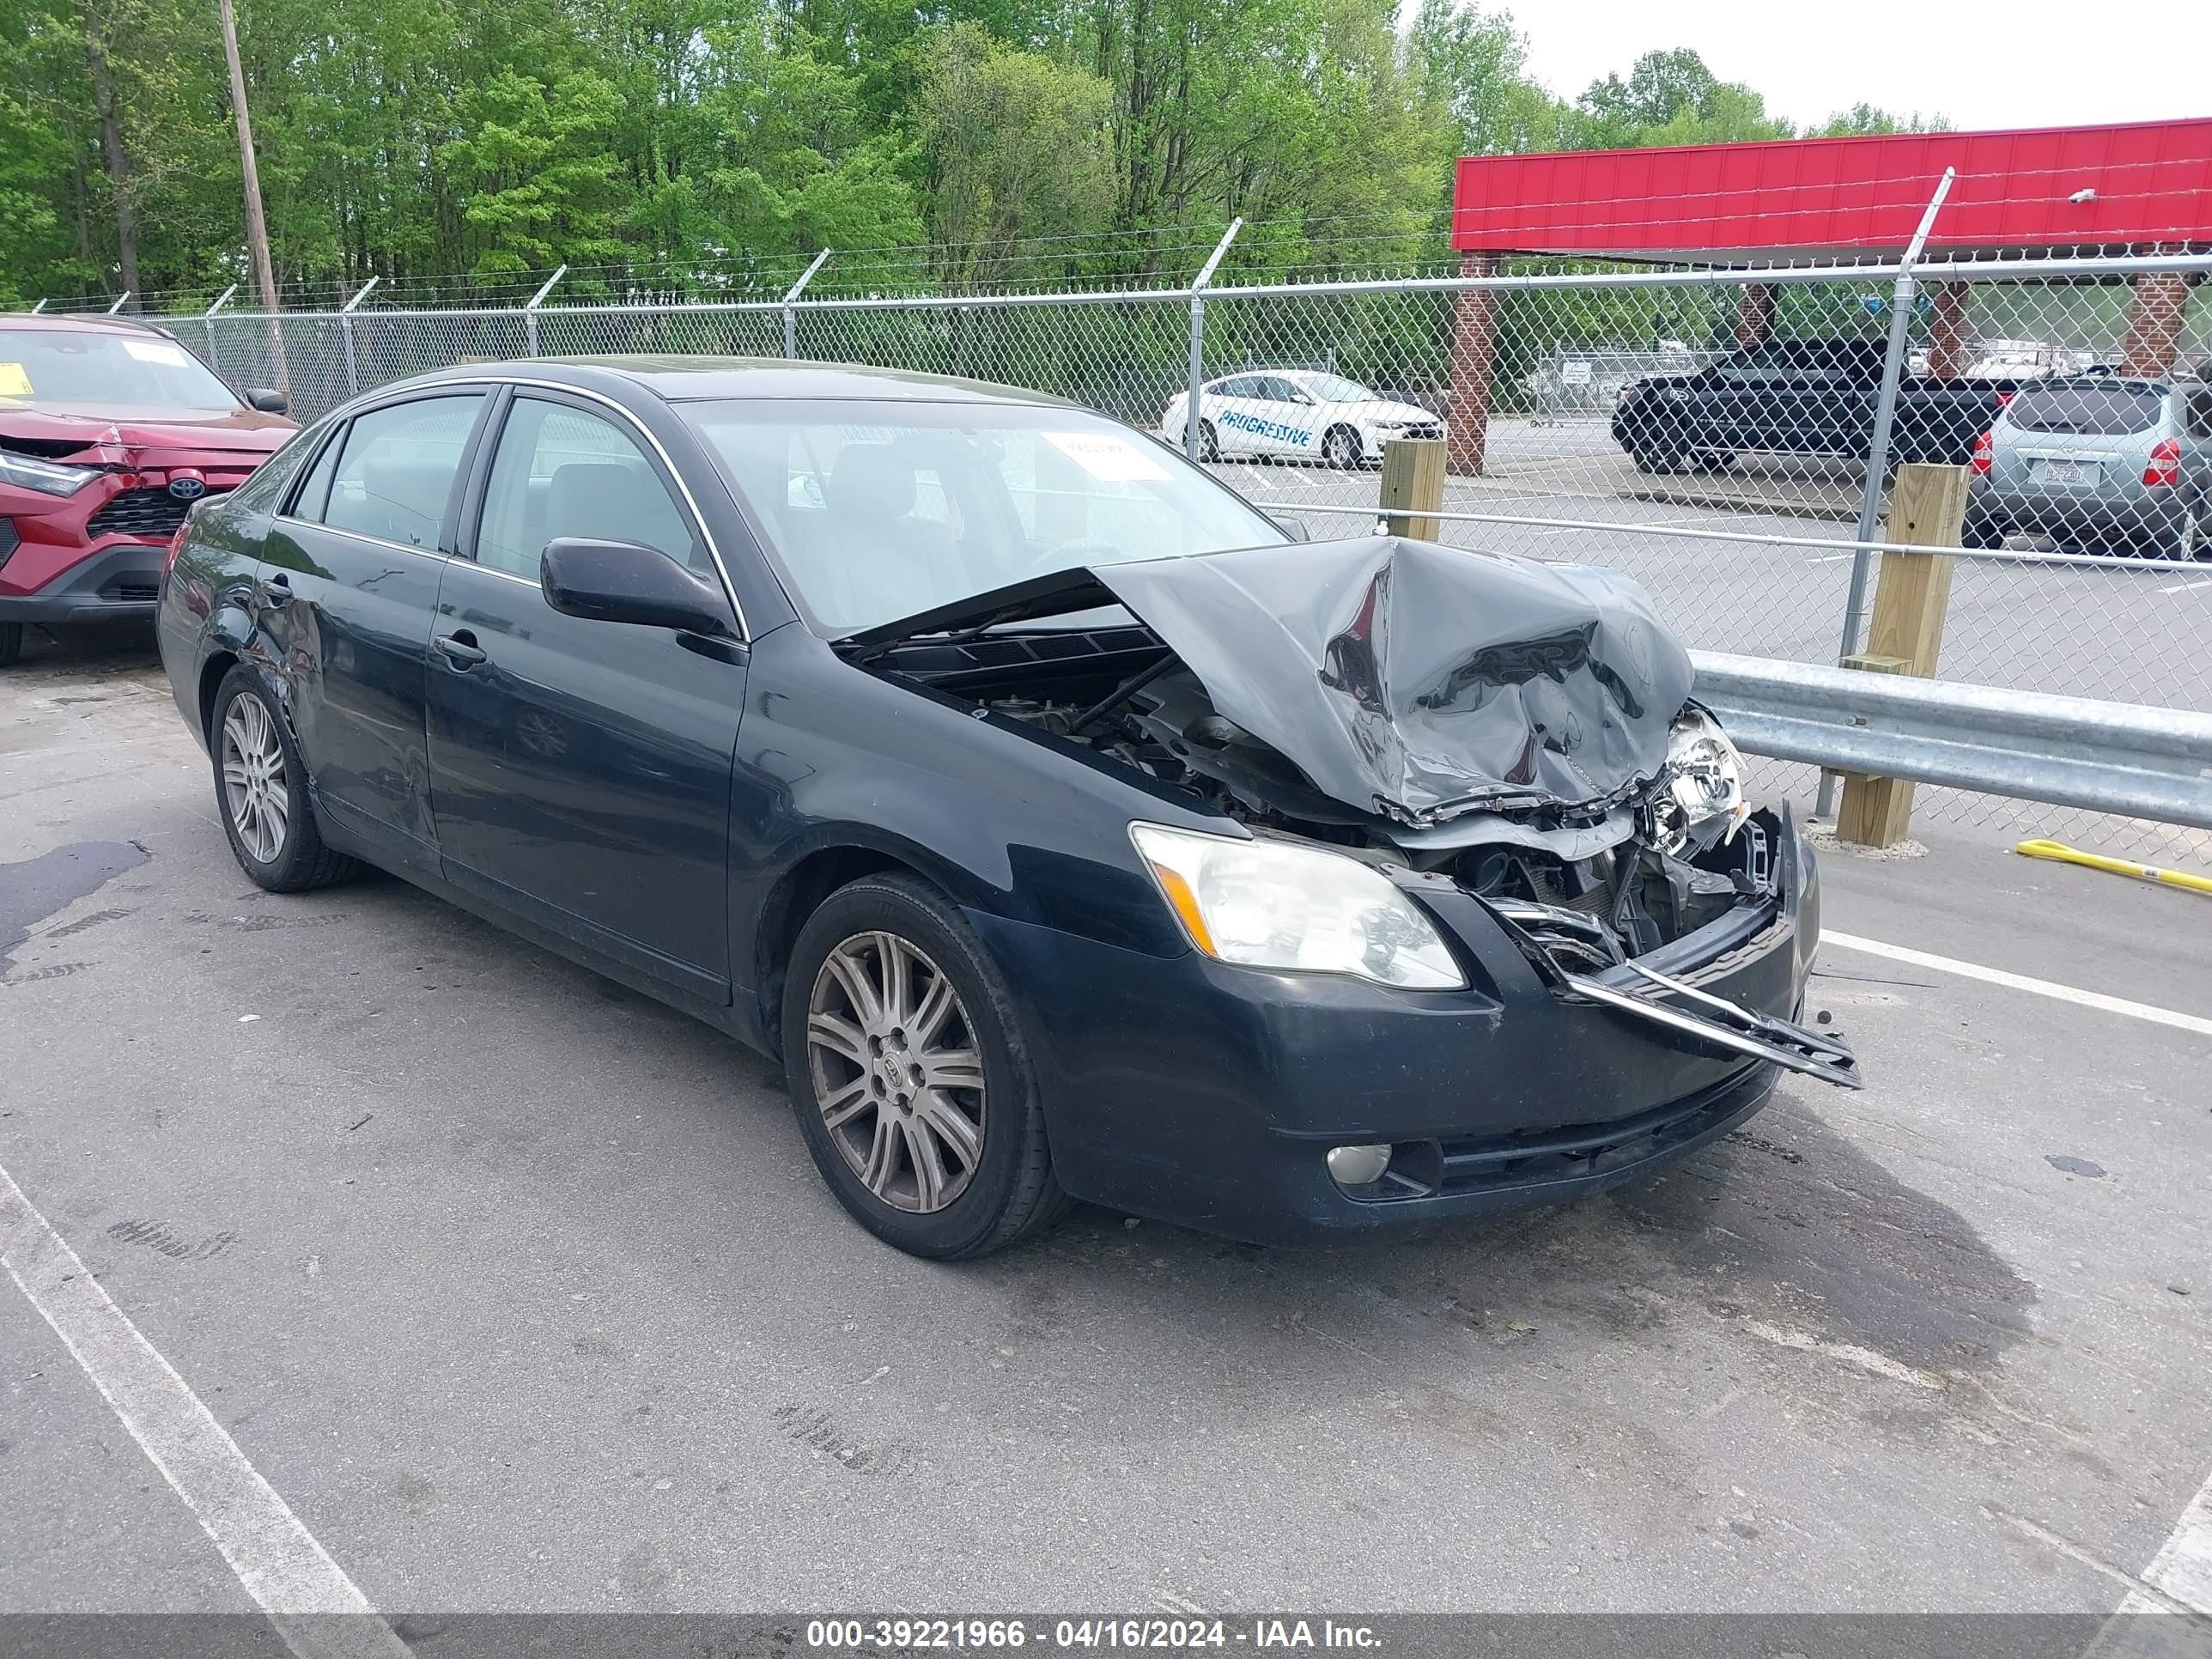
47,478
1263,904
1701,787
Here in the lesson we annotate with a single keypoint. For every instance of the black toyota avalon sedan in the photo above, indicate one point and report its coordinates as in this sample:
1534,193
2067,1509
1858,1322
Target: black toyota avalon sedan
1067,826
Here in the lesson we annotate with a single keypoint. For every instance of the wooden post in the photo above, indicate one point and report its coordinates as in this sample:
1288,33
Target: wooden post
1927,508
1414,484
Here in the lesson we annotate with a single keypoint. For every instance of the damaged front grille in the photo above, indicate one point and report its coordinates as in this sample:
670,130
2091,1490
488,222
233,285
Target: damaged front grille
147,514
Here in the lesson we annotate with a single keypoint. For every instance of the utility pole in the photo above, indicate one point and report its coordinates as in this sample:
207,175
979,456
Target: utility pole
257,228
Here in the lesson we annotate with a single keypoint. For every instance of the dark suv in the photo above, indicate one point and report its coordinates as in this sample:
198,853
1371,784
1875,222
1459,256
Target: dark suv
1798,398
109,431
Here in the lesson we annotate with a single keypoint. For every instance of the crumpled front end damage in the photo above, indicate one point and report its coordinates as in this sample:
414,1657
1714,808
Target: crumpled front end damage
1521,730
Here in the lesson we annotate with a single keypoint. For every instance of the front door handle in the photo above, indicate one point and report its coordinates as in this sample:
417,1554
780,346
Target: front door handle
461,649
278,589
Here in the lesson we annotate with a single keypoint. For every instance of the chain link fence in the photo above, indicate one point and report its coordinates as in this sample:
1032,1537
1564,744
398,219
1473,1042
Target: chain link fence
1723,436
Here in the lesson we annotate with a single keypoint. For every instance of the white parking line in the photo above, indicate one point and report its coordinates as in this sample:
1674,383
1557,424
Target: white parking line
2186,587
2178,1578
318,1611
2042,988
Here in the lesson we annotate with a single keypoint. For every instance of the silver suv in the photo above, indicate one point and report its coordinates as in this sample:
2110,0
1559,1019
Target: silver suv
2098,462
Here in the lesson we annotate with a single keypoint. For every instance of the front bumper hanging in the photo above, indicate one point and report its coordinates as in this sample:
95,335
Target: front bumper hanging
1708,1018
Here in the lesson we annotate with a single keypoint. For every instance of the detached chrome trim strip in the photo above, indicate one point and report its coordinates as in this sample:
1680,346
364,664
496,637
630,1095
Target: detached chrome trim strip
1817,1057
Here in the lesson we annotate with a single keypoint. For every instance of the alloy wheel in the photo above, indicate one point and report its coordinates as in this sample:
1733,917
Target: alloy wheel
895,1071
1340,449
253,783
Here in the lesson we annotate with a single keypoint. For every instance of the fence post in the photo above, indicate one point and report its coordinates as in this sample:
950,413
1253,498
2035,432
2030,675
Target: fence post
791,304
207,321
1197,363
1885,418
1927,508
39,307
530,310
346,327
121,301
1414,484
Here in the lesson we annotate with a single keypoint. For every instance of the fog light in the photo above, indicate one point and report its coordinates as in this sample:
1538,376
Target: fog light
1357,1166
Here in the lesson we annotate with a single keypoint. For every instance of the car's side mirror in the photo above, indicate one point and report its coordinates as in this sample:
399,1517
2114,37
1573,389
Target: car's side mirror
623,582
1294,528
267,399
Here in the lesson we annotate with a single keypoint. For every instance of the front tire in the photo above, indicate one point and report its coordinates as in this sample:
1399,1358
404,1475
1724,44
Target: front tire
1209,442
11,643
1340,448
903,1053
261,791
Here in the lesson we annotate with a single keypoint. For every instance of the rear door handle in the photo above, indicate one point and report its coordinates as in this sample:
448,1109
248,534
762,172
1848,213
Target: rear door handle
461,649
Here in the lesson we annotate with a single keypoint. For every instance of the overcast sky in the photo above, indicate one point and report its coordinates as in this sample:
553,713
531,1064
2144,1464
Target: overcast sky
2029,64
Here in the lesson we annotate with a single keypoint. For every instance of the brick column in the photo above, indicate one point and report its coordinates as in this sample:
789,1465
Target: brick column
1948,338
1473,355
2155,318
1754,315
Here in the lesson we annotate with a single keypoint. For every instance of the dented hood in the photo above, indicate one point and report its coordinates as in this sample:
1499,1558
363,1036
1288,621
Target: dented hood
1420,681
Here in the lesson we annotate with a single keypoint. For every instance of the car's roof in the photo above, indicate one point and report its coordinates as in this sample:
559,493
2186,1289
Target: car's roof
697,380
36,319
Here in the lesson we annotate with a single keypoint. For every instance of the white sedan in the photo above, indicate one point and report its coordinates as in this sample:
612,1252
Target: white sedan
1296,411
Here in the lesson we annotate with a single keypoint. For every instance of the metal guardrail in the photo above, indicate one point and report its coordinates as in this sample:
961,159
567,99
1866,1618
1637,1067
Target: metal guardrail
2031,746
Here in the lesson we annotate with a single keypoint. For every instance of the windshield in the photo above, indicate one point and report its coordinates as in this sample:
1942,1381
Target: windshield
878,510
2093,410
95,371
1335,389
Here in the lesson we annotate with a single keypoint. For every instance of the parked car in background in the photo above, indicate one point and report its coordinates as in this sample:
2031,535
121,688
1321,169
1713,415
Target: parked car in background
1066,828
2099,462
1295,412
1798,398
109,430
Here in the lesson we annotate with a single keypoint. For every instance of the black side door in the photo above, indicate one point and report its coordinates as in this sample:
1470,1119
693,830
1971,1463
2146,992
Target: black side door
1743,402
348,584
579,771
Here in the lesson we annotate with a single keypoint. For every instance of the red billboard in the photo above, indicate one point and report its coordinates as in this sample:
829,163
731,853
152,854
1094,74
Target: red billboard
2139,183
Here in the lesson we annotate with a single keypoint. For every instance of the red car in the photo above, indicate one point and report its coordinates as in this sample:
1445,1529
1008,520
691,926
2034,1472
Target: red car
109,431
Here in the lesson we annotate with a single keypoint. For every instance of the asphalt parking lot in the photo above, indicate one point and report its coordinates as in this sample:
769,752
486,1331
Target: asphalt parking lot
519,1290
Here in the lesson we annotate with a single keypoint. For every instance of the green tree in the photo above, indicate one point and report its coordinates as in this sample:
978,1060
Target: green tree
1016,144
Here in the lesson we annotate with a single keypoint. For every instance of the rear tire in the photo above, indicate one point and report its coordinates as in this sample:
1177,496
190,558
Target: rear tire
261,791
859,1075
2194,541
11,643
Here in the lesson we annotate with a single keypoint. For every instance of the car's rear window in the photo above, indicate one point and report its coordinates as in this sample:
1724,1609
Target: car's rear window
2091,410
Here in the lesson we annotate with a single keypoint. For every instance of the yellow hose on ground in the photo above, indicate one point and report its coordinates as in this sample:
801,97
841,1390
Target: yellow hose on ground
2065,854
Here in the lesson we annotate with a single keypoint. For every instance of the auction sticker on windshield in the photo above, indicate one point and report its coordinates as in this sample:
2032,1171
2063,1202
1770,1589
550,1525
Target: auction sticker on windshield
156,351
15,381
1107,457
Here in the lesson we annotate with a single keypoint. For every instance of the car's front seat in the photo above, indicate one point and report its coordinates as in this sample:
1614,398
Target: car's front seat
615,502
887,563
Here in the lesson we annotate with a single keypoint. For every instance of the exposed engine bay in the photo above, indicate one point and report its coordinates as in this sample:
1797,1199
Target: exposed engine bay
1524,731
1635,866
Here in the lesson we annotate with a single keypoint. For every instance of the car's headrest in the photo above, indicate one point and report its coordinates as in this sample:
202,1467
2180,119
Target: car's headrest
871,480
606,501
